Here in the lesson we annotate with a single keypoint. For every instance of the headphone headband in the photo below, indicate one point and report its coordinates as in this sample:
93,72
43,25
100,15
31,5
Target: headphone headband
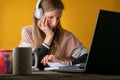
38,2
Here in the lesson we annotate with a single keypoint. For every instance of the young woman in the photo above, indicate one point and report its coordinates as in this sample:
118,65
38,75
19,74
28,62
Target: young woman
49,40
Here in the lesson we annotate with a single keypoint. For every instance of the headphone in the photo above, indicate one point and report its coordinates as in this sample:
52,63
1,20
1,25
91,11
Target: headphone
38,11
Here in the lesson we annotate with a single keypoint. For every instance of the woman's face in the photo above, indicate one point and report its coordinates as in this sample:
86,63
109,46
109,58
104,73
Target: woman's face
53,17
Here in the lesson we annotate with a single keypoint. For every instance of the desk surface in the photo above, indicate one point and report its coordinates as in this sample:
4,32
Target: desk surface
48,75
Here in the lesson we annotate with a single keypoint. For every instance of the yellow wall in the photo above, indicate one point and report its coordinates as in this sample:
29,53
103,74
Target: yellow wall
79,17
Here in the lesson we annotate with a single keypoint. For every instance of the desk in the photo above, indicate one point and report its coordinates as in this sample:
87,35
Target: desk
48,75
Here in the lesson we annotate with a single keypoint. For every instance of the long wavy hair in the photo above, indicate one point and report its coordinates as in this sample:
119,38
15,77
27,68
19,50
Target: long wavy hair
39,36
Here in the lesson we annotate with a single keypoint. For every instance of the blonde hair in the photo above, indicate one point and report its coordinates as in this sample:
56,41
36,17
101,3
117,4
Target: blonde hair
38,36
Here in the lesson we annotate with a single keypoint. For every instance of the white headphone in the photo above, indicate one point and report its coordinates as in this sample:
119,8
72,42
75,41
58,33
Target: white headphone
38,11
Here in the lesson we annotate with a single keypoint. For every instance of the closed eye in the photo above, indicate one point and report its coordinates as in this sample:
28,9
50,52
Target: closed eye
50,17
53,17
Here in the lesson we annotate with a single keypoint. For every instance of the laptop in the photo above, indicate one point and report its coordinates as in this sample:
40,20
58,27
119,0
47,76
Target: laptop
104,54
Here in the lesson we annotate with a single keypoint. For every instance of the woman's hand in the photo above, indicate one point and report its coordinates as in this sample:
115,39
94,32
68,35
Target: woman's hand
52,58
49,58
44,26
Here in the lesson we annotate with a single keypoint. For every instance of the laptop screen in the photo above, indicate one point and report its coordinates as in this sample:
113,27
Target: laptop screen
104,55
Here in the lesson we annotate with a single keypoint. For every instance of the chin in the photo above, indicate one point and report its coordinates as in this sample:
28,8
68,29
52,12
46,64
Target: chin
52,28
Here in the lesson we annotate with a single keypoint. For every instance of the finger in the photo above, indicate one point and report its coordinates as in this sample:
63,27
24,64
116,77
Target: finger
43,21
45,60
46,23
51,58
42,60
38,23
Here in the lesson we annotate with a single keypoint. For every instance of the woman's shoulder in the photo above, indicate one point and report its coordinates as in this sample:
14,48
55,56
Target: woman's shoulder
69,36
67,33
27,28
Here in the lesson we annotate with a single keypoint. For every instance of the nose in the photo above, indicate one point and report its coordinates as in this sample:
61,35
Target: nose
54,22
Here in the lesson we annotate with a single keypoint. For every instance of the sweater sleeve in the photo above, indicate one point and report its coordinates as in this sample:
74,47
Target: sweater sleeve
71,48
41,53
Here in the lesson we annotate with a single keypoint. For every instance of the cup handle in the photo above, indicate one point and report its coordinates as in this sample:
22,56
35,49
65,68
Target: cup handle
36,61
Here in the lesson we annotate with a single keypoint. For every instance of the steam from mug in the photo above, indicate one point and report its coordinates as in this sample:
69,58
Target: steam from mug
22,60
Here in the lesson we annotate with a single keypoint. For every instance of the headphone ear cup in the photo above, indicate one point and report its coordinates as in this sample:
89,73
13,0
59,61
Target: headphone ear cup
38,13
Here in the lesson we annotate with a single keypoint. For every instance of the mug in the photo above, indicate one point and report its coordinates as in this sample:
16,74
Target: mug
26,44
22,60
5,61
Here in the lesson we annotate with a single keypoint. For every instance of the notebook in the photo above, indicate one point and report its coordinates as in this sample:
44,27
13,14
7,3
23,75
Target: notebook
65,68
104,54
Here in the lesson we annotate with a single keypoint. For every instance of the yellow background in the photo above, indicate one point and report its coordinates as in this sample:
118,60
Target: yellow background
79,17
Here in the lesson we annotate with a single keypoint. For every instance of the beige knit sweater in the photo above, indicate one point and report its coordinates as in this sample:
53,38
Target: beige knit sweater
67,47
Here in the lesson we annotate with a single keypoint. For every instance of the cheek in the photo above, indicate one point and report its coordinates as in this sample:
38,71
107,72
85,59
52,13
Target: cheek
51,24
